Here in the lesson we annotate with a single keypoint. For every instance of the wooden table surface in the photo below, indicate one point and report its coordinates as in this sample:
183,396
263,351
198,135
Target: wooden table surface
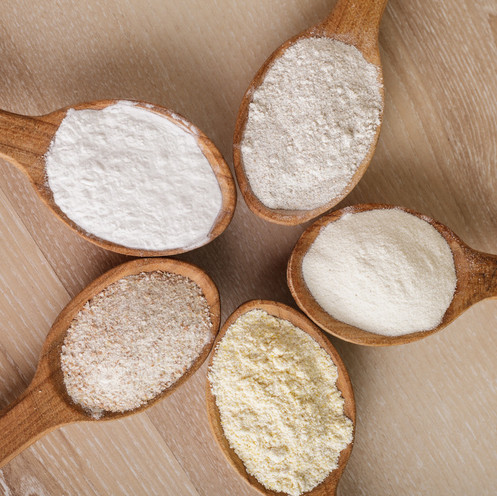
426,411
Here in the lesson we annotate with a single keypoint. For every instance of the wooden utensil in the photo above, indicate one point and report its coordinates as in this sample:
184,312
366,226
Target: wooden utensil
353,22
45,405
24,141
329,485
476,280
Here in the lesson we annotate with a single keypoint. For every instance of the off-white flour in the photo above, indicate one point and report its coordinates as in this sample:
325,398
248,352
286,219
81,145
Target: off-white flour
133,340
131,176
310,124
280,409
385,271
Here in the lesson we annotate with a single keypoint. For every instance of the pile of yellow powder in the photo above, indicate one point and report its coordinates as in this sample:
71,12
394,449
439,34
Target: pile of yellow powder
280,409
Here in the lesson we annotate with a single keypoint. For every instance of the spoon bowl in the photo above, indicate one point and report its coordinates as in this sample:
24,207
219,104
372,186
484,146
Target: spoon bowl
45,404
354,23
24,141
476,274
329,485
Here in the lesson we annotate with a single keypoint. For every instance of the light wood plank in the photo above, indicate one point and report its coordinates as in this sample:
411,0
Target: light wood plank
423,425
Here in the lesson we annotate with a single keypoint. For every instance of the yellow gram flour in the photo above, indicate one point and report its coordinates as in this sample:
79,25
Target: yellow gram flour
279,405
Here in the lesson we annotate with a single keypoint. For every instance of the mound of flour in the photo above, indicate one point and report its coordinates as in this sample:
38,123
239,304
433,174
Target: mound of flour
384,271
133,177
310,124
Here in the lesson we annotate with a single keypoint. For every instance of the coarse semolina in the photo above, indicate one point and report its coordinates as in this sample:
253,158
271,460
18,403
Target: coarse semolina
280,409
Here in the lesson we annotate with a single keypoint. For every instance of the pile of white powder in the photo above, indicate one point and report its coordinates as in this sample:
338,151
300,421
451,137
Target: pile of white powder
131,176
384,271
133,340
310,124
280,409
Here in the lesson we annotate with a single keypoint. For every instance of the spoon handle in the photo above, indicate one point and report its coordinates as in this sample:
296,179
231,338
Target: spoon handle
356,19
36,412
483,276
23,142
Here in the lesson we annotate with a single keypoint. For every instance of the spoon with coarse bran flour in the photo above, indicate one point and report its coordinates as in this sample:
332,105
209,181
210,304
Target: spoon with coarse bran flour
280,402
128,340
381,275
308,125
131,177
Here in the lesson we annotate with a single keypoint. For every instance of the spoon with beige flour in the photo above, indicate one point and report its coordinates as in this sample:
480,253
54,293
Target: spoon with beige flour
382,275
308,125
130,177
46,403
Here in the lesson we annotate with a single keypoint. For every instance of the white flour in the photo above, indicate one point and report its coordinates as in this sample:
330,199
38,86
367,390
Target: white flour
131,176
310,124
384,271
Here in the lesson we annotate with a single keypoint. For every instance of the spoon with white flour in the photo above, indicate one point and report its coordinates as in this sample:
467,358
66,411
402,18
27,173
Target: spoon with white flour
381,275
94,366
131,177
308,125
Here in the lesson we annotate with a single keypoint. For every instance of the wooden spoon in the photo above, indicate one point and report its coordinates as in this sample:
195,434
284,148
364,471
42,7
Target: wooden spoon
353,22
45,405
476,280
329,485
24,141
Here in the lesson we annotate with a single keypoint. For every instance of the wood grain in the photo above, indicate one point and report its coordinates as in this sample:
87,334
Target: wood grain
476,274
329,485
354,23
424,409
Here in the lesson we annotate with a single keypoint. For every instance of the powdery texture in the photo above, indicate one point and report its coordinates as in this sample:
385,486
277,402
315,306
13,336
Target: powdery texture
310,124
279,405
133,340
131,176
384,271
